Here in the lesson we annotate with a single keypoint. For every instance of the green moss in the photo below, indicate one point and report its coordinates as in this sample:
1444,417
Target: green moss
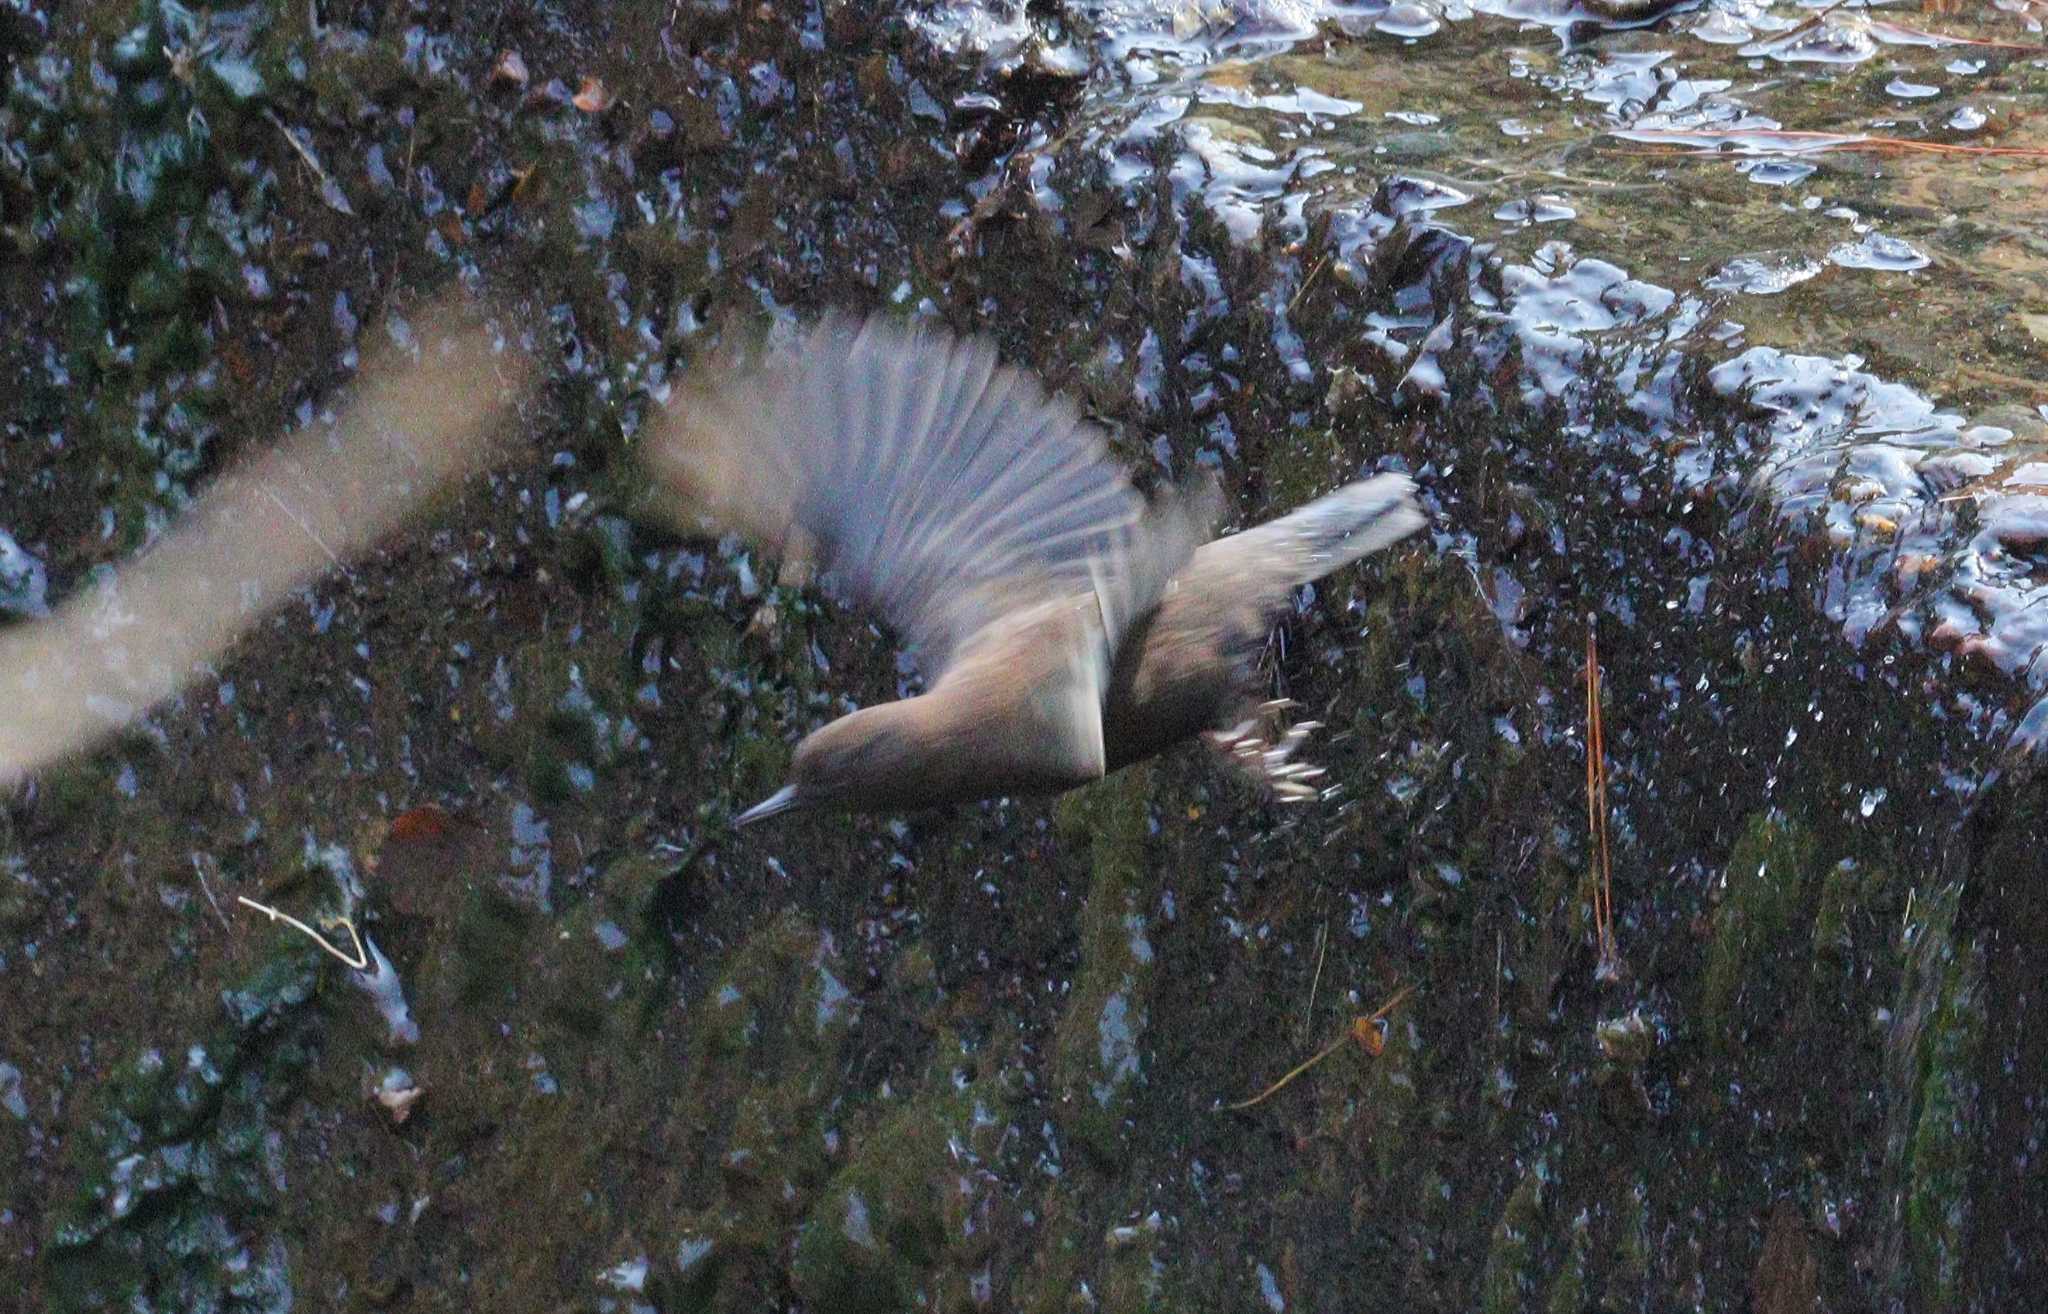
1097,1057
793,1184
547,777
144,190
765,1046
659,898
21,897
760,763
1133,1270
573,730
844,1265
763,993
1305,465
910,1211
1567,1294
1838,891
1764,892
1628,1278
491,942
579,976
567,731
1391,1106
1942,1021
879,1224
1546,944
1509,1276
71,790
914,984
609,961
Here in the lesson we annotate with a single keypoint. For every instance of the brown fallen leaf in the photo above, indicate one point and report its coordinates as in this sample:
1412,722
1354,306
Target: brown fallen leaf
594,98
1364,1030
425,823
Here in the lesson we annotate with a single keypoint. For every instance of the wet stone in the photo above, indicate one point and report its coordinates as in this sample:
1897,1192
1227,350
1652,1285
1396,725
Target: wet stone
969,1058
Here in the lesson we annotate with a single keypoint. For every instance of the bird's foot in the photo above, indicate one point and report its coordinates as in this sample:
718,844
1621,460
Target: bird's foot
1263,748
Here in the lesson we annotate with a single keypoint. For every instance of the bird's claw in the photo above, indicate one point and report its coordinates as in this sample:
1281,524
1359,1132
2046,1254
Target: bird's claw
1269,761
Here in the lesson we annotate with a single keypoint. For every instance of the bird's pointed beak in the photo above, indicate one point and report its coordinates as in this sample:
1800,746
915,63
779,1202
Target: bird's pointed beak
782,800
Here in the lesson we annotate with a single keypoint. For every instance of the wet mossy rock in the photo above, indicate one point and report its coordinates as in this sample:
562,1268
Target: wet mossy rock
1772,878
913,1210
1509,1280
181,1171
855,1202
1934,1062
166,126
1806,1058
1098,1057
492,931
1308,465
755,1114
613,963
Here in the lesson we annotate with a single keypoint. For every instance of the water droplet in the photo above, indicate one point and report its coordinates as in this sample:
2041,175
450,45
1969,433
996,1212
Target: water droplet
1776,172
1408,20
1878,251
1762,275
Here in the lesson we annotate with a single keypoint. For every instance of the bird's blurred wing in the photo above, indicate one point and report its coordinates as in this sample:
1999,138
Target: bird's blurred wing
929,482
270,525
1140,560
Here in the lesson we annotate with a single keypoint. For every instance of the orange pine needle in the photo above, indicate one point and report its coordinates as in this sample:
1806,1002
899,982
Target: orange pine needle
1596,809
1806,142
1359,1030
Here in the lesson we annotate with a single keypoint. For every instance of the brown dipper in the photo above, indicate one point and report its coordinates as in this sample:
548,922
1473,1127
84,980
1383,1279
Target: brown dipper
1065,625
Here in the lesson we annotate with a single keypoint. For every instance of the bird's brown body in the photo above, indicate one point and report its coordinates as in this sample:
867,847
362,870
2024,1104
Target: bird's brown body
1189,667
1067,626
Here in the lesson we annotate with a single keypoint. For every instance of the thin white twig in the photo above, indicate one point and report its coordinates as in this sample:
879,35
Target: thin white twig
1308,1015
359,962
305,151
199,869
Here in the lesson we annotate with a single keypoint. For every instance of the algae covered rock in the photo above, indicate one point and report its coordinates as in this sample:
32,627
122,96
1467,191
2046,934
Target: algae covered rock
183,1168
1098,1057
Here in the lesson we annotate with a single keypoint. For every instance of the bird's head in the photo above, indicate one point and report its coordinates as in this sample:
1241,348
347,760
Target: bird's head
864,761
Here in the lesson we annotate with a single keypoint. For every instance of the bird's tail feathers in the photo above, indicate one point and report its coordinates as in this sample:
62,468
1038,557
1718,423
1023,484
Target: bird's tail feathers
1335,530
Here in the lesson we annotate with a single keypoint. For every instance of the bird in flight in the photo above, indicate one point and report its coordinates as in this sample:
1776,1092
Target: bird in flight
1065,625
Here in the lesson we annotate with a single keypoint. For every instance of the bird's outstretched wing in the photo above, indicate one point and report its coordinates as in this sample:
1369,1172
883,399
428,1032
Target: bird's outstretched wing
267,527
928,481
